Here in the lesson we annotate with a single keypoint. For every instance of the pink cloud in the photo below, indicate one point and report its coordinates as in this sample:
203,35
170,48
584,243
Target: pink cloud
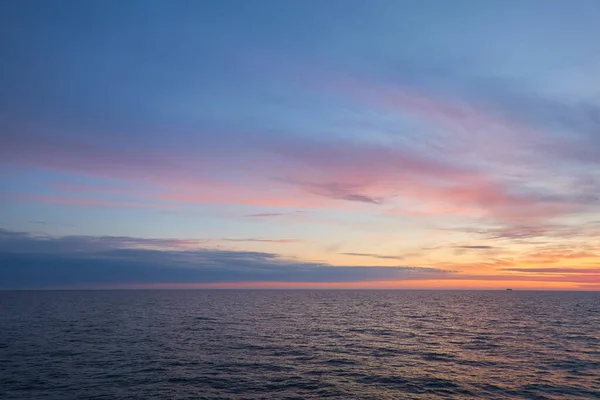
481,196
78,201
318,175
101,189
465,128
309,174
448,281
289,172
254,240
87,157
240,196
565,270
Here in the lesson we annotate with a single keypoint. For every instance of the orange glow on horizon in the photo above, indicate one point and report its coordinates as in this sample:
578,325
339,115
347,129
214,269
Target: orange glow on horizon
414,284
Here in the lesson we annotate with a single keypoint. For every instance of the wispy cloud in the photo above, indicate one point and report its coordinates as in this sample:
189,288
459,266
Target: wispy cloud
282,241
588,229
474,247
23,242
52,223
385,257
80,201
264,215
555,270
341,191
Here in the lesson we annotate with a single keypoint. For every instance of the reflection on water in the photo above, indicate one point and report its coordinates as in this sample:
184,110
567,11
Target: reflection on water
299,344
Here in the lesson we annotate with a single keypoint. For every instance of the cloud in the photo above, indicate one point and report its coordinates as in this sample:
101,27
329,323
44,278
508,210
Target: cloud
374,256
377,175
264,215
29,147
79,201
339,191
474,247
292,171
283,241
586,230
38,261
28,261
287,171
500,118
487,149
22,242
510,137
565,270
52,223
242,195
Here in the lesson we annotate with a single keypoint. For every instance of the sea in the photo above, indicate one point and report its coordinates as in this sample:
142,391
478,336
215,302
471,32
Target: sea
299,344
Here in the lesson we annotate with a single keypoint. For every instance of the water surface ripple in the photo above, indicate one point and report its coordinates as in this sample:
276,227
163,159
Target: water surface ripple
224,344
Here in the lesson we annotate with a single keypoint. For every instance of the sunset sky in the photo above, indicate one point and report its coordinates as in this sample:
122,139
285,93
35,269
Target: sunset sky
300,143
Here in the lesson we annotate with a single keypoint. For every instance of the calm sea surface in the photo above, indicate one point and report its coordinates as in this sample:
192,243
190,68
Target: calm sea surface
299,345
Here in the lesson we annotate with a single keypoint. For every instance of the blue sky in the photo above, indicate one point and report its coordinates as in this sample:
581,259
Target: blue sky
458,136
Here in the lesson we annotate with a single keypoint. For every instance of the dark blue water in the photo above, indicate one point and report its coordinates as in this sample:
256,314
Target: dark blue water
299,345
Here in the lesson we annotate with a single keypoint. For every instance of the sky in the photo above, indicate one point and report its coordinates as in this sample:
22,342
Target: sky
300,144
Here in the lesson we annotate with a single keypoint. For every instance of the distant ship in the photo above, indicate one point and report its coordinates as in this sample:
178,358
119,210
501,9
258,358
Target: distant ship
509,289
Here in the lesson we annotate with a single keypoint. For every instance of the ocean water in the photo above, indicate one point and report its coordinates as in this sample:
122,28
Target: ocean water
221,344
